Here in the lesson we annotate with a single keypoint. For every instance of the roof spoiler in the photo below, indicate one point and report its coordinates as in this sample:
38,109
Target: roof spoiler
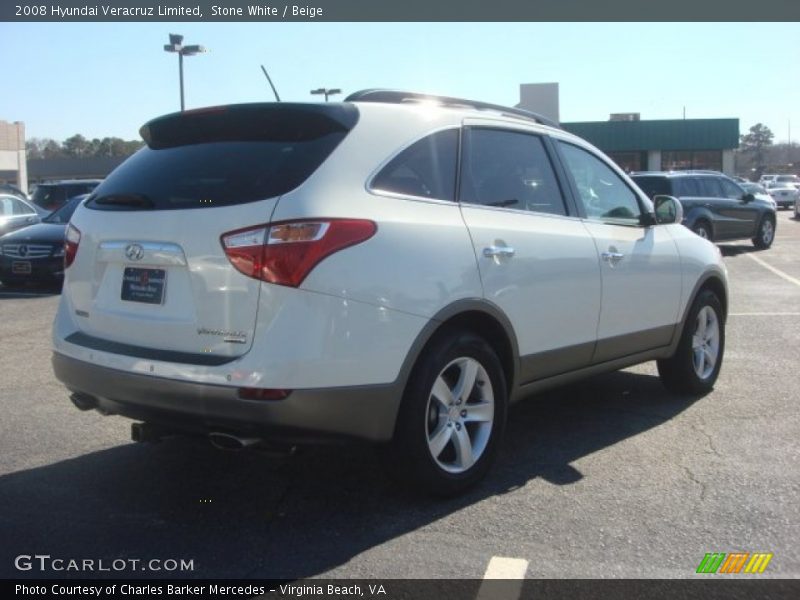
400,96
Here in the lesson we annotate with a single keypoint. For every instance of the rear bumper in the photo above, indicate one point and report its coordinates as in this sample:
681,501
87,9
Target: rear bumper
363,412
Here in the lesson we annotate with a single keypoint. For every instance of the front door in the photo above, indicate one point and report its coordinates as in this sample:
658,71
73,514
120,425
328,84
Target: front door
640,266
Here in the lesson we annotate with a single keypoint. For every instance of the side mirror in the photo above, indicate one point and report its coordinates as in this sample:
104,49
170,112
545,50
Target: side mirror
668,210
748,197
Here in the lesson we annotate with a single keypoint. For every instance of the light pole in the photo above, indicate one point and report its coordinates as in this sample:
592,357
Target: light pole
176,45
326,91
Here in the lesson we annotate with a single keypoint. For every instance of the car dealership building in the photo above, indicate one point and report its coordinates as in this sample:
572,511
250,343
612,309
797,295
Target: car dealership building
637,145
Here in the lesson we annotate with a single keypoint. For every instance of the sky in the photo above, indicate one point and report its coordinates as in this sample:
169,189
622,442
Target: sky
107,79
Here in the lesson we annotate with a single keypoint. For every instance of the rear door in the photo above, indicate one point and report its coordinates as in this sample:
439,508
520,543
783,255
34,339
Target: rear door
150,270
536,260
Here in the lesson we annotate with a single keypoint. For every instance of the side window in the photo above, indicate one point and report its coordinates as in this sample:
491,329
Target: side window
21,208
709,187
427,168
730,189
6,207
687,187
510,169
603,193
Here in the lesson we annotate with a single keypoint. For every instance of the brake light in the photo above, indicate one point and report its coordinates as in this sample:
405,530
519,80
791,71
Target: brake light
71,242
285,253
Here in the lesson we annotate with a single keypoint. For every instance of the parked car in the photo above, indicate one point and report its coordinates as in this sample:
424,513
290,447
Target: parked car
714,207
53,195
395,268
765,179
15,213
36,253
790,179
783,193
7,188
759,193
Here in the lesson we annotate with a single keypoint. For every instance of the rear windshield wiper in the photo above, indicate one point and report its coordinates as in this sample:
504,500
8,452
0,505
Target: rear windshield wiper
125,201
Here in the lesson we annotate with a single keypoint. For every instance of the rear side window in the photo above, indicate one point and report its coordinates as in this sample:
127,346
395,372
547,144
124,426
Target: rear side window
687,187
654,186
427,168
222,157
709,187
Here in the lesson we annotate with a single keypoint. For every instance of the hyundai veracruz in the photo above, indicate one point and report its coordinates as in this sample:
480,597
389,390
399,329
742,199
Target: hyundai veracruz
395,268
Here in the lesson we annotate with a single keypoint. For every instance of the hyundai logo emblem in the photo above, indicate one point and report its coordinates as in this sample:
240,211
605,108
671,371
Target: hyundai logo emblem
134,252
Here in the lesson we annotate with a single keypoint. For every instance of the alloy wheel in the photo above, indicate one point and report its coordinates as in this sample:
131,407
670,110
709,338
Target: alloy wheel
459,415
705,342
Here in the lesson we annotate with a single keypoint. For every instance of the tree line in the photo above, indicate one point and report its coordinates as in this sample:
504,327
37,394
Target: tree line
78,146
758,154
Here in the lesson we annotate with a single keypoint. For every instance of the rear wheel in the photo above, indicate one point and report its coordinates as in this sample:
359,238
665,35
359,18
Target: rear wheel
694,367
703,229
452,415
765,235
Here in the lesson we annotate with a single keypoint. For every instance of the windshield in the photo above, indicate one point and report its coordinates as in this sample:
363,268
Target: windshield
64,214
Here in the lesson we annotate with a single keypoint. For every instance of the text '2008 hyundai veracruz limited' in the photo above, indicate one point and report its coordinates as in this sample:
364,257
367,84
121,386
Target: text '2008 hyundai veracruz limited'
396,268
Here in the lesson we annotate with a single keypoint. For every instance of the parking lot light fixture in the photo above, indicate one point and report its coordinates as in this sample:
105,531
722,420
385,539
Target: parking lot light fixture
176,45
326,91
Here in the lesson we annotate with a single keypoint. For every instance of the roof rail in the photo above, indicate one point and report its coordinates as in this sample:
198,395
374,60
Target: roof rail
400,96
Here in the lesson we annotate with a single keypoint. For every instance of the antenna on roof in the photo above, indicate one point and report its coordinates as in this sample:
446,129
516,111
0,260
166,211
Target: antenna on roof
274,91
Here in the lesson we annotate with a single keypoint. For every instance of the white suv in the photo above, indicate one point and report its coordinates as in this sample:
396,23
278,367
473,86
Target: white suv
395,268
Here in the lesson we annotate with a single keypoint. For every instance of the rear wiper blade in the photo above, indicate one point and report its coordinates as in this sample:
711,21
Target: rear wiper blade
125,200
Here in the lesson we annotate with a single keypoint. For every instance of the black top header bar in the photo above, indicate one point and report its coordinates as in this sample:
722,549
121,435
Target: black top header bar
400,10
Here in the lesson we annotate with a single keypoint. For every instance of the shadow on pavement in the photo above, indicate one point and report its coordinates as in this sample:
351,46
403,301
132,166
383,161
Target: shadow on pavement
242,515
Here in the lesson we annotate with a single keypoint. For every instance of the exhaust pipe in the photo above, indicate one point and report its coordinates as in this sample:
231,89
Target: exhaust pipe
147,432
227,441
83,401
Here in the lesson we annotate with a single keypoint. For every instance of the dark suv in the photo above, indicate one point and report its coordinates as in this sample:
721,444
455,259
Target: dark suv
53,195
714,206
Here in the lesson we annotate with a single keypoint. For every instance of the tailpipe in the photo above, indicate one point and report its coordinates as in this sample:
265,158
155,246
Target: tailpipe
227,441
83,401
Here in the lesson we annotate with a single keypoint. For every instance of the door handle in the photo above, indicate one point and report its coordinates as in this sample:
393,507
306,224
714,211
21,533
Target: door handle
498,252
612,257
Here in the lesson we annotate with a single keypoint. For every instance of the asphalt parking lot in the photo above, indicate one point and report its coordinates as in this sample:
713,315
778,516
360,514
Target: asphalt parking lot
609,478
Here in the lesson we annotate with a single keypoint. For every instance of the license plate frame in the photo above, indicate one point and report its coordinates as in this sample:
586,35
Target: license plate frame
144,285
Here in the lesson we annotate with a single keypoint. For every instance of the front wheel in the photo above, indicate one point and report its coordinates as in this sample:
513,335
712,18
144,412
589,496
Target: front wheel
765,235
694,367
452,415
702,229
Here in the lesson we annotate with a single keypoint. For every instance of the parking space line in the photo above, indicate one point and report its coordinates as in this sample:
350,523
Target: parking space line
777,272
512,573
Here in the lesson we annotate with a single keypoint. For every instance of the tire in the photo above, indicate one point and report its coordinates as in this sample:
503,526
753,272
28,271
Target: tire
694,367
703,229
441,444
766,234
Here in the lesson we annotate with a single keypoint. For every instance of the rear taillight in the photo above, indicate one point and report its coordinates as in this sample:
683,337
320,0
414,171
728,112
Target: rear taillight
71,241
285,253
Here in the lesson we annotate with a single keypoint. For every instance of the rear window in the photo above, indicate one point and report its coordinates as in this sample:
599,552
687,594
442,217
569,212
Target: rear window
653,186
222,158
49,197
